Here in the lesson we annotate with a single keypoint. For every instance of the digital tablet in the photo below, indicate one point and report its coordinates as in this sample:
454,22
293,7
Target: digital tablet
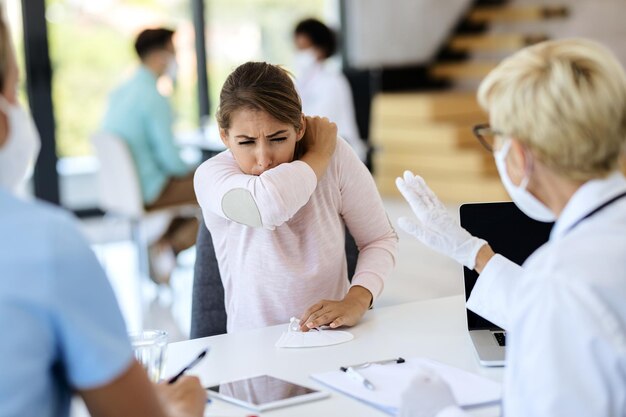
264,392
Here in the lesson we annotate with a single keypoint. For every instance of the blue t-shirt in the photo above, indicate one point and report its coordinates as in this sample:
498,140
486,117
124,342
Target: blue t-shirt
61,326
142,117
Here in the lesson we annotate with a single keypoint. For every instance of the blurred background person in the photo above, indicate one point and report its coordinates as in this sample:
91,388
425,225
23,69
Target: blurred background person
139,114
63,330
324,90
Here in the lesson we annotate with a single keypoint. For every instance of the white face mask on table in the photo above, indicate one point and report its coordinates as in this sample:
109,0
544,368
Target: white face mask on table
19,152
524,200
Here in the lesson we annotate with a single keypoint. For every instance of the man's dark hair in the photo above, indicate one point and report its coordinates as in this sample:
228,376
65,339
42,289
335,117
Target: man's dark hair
320,35
151,40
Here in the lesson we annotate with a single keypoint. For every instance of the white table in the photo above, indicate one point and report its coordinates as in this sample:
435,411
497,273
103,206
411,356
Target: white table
433,329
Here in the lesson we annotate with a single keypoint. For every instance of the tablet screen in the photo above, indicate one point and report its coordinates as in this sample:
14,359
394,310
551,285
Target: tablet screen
260,390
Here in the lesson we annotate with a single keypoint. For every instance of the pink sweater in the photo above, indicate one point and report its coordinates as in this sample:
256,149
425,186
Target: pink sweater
297,258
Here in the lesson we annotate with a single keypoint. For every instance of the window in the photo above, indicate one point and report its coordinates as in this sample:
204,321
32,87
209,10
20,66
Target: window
246,30
91,51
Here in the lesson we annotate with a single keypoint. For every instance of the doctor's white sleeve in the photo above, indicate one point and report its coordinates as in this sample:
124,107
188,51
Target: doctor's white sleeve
276,195
491,296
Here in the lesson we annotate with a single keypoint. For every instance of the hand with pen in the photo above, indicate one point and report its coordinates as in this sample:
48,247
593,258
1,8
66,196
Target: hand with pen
183,398
346,312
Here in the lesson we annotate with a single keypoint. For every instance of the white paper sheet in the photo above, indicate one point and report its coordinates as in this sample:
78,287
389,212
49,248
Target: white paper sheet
391,380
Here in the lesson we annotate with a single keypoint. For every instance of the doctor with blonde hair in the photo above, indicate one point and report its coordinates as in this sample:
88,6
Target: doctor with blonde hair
557,113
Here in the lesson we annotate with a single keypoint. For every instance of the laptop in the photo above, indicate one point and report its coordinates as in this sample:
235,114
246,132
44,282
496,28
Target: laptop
515,236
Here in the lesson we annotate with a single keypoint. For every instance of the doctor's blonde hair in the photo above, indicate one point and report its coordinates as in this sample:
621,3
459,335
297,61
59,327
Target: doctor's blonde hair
564,99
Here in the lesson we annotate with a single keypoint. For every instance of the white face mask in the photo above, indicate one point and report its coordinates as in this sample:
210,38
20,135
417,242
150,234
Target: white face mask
19,152
304,61
524,200
172,69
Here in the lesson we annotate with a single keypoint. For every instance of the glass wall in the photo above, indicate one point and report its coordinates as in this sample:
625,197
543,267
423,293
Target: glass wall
91,51
246,30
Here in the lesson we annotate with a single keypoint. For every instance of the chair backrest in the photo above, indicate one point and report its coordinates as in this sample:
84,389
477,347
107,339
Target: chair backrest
208,312
118,182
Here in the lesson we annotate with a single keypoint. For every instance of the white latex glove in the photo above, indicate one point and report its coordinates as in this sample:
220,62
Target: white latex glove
426,396
434,226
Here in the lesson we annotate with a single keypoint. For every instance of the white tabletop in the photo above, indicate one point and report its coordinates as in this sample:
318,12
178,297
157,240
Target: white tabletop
434,329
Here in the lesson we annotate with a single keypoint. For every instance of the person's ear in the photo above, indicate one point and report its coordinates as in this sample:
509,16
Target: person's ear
224,137
300,132
517,160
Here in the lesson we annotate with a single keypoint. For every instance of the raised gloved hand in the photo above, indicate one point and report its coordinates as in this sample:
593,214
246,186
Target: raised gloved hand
426,396
434,226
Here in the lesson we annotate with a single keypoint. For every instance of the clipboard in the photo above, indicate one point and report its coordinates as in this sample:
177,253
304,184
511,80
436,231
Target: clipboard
391,379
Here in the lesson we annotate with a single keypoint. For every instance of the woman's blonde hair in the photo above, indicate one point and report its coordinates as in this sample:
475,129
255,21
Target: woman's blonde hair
566,100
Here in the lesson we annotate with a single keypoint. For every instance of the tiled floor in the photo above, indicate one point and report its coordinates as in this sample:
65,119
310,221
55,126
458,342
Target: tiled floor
420,274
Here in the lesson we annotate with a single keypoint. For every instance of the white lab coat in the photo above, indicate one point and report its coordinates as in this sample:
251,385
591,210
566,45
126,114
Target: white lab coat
326,92
565,313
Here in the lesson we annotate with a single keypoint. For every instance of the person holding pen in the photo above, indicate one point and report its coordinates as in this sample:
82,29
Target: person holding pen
557,130
63,333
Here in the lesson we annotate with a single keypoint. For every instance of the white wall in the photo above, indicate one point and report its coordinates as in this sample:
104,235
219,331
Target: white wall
398,32
600,20
408,32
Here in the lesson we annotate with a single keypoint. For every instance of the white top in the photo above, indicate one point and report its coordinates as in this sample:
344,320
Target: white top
297,258
565,312
326,92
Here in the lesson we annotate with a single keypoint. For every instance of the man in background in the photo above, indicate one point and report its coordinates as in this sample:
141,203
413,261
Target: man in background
140,115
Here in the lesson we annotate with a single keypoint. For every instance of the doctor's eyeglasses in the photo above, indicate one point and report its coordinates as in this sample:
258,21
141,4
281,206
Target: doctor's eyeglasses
486,135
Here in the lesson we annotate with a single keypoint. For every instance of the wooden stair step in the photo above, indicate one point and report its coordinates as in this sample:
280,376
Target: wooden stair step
450,164
493,42
424,105
462,70
423,137
515,14
455,191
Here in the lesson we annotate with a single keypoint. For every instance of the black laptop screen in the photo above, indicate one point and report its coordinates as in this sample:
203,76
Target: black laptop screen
509,232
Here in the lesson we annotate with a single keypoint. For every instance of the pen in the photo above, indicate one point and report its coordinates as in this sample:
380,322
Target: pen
358,377
188,367
383,362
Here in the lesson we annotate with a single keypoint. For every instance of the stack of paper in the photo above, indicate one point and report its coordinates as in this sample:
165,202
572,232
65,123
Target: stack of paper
391,380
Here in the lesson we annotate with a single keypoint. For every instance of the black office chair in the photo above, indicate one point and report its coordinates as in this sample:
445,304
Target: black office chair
208,313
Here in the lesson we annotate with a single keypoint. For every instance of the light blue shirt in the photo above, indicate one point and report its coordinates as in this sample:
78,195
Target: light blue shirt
141,116
61,326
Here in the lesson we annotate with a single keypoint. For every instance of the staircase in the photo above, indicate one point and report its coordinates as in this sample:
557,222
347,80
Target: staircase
430,133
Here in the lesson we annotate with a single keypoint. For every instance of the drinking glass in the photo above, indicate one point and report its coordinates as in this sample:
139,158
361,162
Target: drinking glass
149,347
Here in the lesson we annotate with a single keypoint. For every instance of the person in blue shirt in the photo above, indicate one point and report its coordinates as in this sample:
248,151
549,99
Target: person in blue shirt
139,114
63,333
